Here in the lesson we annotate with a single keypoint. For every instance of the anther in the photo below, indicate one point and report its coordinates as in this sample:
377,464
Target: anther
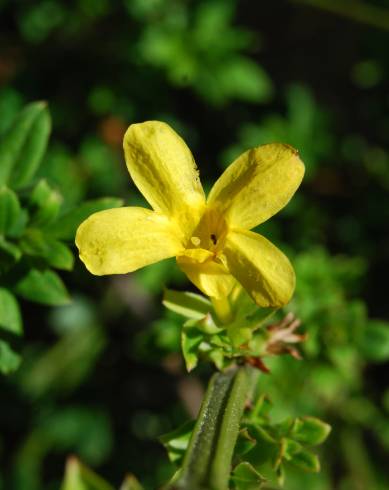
213,239
195,241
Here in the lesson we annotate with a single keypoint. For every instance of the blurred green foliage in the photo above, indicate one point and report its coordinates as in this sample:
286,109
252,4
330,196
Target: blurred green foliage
101,377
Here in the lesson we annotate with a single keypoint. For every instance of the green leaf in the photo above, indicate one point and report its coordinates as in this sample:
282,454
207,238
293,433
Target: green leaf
46,203
131,483
189,305
56,254
176,442
79,477
244,443
306,461
66,226
9,211
374,342
9,360
310,430
59,255
190,342
43,286
246,477
9,251
10,317
24,144
288,449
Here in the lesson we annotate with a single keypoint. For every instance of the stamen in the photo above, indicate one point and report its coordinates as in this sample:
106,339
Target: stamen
195,241
213,239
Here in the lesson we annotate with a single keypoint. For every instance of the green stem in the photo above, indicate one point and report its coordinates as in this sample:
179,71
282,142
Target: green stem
207,463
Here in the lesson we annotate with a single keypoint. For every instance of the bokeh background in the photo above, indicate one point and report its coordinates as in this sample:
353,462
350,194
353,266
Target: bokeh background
102,377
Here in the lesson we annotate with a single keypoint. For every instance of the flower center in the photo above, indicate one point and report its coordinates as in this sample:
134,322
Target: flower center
209,233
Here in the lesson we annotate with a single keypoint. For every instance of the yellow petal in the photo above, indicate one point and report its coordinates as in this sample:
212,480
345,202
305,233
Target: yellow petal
262,269
121,240
257,185
163,169
210,277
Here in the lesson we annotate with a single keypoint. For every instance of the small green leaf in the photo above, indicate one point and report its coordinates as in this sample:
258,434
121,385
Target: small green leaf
288,449
189,305
190,342
56,254
45,203
79,477
24,144
10,317
310,430
306,461
59,255
9,211
176,442
244,443
246,477
43,286
9,251
9,360
65,227
131,483
374,342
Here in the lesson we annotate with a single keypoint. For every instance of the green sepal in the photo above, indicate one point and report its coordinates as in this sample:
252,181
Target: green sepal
190,342
10,212
10,316
176,442
24,144
79,477
66,225
246,477
187,304
43,286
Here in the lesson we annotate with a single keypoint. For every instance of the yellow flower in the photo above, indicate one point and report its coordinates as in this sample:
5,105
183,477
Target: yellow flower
210,238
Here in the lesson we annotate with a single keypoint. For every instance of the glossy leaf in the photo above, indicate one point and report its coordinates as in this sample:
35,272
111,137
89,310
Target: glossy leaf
46,203
9,211
23,146
10,317
43,286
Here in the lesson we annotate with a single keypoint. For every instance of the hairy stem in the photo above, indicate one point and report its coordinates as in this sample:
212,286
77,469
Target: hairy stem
207,463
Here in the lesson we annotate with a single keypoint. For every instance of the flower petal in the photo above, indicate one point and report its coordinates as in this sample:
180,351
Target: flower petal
121,240
262,269
210,277
163,169
257,185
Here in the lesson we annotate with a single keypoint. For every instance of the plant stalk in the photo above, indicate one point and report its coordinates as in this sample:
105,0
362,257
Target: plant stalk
207,462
